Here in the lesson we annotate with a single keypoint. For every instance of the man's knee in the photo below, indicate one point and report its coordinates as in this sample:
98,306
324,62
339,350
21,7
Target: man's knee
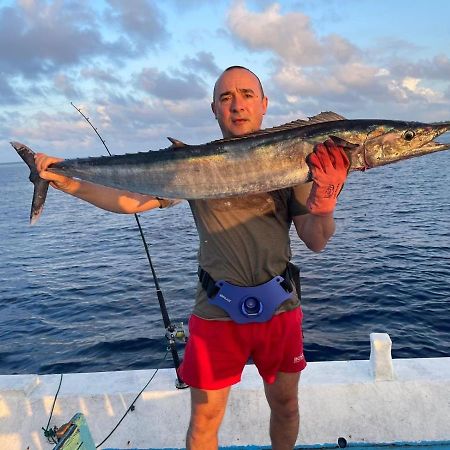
282,395
208,407
206,418
287,410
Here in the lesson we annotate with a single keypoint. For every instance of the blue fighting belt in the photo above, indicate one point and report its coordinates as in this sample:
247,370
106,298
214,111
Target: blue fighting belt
247,304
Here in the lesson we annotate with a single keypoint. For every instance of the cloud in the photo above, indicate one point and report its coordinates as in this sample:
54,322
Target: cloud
447,93
48,131
289,36
316,72
353,80
141,20
202,62
127,123
96,54
101,75
65,86
8,95
414,85
38,37
436,68
163,86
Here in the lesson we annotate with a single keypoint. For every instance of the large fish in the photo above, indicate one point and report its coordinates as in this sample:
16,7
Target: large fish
263,161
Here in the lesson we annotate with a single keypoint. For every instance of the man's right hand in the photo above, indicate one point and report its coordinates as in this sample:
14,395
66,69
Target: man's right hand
329,166
60,182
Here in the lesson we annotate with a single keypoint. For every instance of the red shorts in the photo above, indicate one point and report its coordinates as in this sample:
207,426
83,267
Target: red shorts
217,350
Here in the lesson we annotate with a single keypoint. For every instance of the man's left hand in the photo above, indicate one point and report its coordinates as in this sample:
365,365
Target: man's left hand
329,166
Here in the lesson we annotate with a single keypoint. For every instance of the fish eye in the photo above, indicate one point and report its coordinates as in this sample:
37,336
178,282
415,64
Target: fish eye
408,135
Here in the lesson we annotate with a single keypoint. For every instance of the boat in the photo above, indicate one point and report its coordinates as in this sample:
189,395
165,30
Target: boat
380,402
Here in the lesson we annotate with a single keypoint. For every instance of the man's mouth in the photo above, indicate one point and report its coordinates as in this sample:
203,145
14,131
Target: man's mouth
239,121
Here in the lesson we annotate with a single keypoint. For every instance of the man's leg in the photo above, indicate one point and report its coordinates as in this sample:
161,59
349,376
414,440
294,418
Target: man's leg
207,411
282,396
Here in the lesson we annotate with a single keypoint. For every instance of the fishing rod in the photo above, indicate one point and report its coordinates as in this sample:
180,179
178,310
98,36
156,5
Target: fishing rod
174,332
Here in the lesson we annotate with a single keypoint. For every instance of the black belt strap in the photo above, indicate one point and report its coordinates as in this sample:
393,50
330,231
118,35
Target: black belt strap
291,276
207,282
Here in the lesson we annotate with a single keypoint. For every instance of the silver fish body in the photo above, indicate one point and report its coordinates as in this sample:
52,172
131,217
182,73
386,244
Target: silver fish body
263,161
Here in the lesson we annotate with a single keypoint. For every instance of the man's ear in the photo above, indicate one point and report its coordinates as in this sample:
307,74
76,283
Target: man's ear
265,104
213,109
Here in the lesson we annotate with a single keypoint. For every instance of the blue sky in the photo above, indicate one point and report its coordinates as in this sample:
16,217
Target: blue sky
143,70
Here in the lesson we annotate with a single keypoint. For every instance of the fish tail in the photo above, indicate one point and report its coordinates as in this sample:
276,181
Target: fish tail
40,185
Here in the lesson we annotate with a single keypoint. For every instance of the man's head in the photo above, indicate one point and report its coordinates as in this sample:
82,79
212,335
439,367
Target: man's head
239,103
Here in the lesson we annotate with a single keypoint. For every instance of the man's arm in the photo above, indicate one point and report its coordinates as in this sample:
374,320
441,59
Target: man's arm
110,199
315,231
329,167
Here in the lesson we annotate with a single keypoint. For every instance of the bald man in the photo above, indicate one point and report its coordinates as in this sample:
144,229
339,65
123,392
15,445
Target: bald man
244,244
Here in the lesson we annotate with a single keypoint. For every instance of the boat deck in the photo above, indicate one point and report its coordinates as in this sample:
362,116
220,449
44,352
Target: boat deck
361,446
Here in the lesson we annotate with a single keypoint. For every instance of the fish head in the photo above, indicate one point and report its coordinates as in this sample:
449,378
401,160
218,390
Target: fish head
392,141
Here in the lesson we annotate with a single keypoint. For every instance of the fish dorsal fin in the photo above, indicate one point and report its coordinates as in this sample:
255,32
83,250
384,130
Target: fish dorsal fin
295,124
325,116
176,143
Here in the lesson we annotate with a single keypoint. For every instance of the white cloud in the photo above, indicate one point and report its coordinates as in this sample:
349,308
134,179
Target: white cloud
289,36
413,85
338,79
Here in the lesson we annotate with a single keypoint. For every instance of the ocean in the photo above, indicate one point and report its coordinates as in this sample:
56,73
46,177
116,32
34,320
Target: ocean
77,295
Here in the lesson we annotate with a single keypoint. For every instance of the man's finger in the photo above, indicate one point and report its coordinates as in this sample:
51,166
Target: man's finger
50,176
314,161
325,158
337,155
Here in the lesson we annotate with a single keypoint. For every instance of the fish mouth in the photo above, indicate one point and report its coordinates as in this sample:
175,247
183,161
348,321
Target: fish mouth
442,137
435,146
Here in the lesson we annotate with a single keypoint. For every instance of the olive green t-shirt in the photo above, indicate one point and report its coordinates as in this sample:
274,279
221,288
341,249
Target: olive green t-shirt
245,240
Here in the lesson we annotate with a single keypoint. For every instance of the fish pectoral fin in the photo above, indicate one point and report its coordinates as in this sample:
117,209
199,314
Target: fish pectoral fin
343,143
176,143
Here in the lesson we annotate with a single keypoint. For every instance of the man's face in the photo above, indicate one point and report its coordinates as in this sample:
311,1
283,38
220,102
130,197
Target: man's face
238,103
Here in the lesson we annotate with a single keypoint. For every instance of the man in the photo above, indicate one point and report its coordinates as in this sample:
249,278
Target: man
244,241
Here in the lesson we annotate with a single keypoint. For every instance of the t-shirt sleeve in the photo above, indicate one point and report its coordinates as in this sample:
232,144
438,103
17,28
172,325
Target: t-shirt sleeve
299,195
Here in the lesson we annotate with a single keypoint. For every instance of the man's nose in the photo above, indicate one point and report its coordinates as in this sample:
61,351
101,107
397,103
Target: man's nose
237,104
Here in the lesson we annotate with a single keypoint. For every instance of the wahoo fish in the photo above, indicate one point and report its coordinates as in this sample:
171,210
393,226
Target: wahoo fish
262,161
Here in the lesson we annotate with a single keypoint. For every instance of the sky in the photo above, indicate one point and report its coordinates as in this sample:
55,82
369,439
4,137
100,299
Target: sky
143,70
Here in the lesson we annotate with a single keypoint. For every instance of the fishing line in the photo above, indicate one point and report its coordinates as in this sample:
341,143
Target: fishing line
174,332
132,407
50,434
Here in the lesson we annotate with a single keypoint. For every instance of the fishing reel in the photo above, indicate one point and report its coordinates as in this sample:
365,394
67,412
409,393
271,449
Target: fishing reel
176,332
